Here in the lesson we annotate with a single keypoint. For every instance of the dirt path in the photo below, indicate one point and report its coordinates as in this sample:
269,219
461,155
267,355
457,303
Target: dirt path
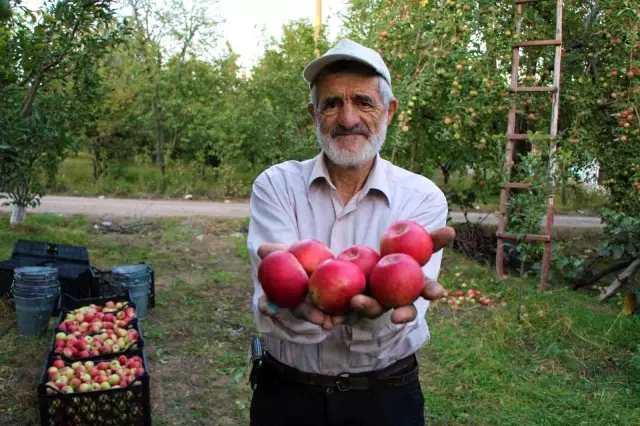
112,207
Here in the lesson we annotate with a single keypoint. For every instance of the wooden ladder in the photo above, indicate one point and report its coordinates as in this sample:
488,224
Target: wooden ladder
513,138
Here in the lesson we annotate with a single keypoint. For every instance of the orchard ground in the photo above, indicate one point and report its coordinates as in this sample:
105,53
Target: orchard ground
571,360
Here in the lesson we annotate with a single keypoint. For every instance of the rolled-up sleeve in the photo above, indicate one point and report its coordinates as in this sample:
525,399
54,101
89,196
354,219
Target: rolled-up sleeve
380,337
271,221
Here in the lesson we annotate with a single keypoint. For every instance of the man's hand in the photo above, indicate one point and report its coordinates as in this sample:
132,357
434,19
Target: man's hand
368,307
306,311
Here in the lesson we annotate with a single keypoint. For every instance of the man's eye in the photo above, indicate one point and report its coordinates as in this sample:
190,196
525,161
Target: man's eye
331,104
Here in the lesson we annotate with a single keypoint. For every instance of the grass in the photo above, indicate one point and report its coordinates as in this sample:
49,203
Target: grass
568,362
130,179
143,180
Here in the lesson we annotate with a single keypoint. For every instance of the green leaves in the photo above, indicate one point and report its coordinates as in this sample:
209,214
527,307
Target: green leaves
37,123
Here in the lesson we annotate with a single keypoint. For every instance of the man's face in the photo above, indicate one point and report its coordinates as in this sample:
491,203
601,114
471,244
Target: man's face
351,119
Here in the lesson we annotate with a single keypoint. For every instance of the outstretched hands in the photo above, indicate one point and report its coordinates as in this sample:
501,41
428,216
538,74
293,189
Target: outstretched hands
363,306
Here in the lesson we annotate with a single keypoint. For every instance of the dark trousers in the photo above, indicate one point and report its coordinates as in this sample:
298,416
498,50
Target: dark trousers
280,402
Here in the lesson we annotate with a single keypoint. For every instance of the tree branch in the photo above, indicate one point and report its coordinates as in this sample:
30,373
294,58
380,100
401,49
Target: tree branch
585,281
622,278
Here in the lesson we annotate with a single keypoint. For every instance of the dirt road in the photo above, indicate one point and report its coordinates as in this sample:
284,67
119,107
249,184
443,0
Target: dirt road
112,207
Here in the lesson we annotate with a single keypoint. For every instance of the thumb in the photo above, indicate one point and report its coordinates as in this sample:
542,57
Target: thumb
367,306
267,248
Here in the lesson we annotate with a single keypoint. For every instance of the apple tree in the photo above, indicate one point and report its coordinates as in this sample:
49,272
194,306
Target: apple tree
40,50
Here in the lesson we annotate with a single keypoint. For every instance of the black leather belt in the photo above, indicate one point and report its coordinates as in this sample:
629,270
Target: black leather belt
397,374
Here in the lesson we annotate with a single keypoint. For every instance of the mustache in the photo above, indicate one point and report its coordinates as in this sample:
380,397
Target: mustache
359,129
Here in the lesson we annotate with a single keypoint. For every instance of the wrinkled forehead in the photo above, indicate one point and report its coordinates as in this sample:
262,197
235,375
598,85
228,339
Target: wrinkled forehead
347,77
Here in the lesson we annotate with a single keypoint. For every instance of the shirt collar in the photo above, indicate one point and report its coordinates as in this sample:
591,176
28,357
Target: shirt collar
377,178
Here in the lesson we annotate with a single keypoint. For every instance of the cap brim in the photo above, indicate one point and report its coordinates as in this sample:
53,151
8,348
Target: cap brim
314,68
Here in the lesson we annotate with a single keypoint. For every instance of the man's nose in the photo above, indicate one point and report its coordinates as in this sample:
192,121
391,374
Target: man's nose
349,116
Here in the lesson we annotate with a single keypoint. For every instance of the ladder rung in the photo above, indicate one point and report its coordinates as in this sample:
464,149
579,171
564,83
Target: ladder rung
528,237
538,43
518,136
515,185
535,89
521,136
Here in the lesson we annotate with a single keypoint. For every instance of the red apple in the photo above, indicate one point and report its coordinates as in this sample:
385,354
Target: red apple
407,237
397,280
333,285
58,363
310,253
362,256
283,279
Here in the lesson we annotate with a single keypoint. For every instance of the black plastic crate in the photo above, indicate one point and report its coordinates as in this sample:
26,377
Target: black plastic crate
51,251
130,405
68,304
75,279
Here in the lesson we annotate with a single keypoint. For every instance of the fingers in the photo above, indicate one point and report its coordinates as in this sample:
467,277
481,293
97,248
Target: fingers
367,306
442,237
267,308
404,314
267,248
332,321
432,290
316,316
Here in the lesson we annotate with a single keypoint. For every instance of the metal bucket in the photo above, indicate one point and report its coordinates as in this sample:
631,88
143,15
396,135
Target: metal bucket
137,280
35,291
33,313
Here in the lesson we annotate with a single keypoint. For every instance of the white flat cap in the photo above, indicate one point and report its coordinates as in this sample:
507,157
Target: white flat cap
349,50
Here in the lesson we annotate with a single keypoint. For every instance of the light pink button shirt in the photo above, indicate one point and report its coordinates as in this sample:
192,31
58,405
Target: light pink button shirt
296,200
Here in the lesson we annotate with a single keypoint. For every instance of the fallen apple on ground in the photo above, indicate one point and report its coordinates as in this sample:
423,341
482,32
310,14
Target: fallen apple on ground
456,298
86,377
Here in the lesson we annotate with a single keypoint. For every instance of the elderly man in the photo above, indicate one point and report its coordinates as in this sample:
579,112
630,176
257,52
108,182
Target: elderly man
357,369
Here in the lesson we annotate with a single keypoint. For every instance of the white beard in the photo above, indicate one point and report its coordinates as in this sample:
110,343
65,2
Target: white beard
350,158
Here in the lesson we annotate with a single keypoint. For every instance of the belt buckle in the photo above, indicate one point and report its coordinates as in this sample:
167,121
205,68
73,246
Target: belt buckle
338,382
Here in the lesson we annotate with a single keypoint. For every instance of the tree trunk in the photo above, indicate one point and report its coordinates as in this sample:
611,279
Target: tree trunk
31,96
18,215
413,155
159,128
446,175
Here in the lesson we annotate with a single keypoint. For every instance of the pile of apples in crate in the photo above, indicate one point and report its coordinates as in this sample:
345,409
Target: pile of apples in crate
393,276
91,347
90,376
96,330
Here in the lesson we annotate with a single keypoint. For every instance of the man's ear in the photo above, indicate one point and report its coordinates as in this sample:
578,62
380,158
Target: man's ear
393,106
312,112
